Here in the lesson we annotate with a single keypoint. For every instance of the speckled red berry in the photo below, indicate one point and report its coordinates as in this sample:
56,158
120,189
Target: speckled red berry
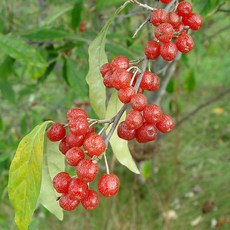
91,201
158,16
168,51
79,126
166,124
124,132
61,182
121,62
164,32
152,50
74,113
64,146
126,94
56,132
134,119
147,132
184,9
150,81
184,43
138,101
108,185
152,113
78,189
74,156
67,203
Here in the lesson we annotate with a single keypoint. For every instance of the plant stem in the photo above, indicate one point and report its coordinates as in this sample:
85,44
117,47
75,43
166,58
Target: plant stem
106,164
142,5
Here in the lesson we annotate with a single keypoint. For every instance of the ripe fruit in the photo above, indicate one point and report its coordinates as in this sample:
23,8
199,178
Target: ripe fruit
126,94
152,114
105,68
138,101
173,18
64,146
158,16
78,189
121,62
108,185
56,132
152,50
150,81
194,21
67,203
165,1
74,113
134,119
87,170
147,132
91,201
184,9
94,145
78,126
166,124
61,182
74,156
121,79
184,43
168,51
74,140
124,132
164,32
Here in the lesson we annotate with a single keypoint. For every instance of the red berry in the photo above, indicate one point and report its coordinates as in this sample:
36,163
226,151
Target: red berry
125,94
150,81
152,50
184,43
124,132
180,27
147,132
152,114
56,132
108,185
164,32
64,146
121,79
158,16
67,203
138,101
134,119
107,80
166,124
74,156
61,182
194,21
87,170
74,140
165,1
79,126
74,113
91,201
121,62
94,145
168,51
78,189
184,9
173,18
105,68
82,26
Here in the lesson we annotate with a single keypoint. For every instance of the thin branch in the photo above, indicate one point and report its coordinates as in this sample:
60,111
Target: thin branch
141,26
142,5
203,105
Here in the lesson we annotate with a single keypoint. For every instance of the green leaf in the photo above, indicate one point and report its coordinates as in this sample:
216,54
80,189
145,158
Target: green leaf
190,81
7,91
45,34
53,163
120,146
6,67
146,169
25,175
172,85
97,57
76,78
76,14
18,49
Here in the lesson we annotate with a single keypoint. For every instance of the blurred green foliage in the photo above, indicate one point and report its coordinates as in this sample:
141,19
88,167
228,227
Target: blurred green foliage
43,86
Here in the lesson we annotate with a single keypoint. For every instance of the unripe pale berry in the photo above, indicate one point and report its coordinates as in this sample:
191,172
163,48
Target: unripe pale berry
56,132
108,185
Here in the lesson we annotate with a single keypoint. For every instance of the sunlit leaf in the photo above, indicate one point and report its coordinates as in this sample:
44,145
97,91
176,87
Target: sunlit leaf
53,163
97,57
25,175
120,146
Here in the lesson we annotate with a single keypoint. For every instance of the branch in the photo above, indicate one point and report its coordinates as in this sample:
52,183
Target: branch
203,105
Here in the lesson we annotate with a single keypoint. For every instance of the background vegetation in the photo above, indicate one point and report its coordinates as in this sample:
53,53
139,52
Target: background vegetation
187,180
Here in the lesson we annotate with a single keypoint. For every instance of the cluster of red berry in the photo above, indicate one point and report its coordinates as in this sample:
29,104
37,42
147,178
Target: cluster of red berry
171,31
82,148
143,121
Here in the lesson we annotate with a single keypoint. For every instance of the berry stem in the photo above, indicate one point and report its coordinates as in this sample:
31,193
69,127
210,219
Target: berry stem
106,164
140,27
142,5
